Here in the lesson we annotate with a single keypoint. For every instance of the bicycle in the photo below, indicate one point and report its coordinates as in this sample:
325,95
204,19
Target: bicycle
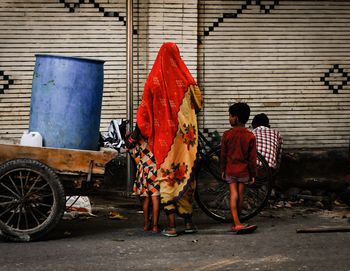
212,194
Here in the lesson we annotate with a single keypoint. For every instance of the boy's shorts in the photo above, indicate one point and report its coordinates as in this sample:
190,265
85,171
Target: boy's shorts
233,179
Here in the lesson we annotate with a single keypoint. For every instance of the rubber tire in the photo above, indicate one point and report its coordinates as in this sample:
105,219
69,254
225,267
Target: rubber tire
57,208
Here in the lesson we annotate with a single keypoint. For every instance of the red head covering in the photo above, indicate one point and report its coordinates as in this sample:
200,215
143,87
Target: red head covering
164,91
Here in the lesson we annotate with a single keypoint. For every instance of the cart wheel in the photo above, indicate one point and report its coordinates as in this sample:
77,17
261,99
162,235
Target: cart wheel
32,200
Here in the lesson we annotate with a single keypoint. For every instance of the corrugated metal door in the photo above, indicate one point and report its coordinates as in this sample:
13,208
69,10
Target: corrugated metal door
289,59
90,28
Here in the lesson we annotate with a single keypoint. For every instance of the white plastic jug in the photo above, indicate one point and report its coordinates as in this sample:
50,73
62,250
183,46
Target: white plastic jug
33,139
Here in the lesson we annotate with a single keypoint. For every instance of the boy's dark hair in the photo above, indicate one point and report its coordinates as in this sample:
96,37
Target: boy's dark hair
260,120
241,111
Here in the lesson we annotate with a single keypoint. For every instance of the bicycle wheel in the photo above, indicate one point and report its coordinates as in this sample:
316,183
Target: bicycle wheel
212,193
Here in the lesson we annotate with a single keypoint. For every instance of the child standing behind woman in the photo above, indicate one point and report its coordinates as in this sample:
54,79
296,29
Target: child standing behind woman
145,186
238,161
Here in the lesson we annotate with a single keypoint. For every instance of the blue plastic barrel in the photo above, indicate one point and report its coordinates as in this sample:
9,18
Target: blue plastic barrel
66,101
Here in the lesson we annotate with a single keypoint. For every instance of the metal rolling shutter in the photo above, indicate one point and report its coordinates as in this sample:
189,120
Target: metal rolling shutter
289,59
91,28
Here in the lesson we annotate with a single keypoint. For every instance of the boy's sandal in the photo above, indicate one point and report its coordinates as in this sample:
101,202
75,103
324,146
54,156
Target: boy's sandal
244,229
169,232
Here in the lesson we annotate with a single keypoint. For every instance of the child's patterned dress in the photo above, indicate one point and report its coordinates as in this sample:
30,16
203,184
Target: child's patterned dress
146,173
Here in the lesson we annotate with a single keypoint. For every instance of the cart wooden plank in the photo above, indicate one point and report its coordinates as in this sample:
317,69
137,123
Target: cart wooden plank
61,160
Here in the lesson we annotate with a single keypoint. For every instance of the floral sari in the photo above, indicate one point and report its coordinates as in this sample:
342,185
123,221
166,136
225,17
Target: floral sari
167,118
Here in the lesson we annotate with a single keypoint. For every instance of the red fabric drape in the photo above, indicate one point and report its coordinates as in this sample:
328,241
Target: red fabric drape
163,93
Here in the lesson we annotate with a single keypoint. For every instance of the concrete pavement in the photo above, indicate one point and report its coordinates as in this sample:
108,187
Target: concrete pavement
99,243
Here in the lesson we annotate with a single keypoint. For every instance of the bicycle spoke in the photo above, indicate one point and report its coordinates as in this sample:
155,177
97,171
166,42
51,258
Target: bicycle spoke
218,200
261,193
222,196
252,195
45,205
255,197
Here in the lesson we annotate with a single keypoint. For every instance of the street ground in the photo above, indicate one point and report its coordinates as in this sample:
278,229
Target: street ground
101,243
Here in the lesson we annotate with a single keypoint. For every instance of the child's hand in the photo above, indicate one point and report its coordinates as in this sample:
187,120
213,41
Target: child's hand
130,142
252,180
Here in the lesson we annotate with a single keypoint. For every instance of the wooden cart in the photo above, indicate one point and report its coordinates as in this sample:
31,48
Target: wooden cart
34,182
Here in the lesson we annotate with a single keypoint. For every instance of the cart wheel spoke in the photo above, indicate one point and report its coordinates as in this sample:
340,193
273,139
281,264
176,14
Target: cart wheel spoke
9,189
45,196
12,215
45,205
42,187
6,211
5,197
21,181
27,179
40,213
19,216
33,185
26,218
14,185
33,215
7,203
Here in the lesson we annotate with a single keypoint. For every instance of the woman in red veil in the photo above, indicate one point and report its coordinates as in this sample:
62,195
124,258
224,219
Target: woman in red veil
166,117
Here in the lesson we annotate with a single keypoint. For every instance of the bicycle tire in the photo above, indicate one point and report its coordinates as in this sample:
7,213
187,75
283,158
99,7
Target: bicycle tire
212,193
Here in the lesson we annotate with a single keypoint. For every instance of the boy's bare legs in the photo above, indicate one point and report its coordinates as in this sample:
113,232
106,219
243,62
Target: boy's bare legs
233,203
145,206
242,228
241,187
155,204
